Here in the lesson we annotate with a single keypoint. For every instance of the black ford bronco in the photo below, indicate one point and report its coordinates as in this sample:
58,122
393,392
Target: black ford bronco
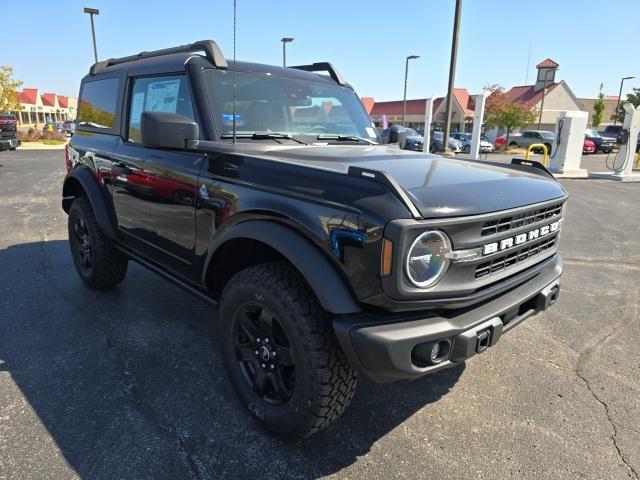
266,191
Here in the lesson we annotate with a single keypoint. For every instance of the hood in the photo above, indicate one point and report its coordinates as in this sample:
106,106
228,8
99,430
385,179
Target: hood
439,187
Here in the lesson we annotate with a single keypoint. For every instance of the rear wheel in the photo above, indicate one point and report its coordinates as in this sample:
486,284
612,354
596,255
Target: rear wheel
513,144
280,352
97,261
467,149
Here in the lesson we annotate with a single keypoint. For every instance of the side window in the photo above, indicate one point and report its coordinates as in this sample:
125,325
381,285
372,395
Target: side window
98,104
158,94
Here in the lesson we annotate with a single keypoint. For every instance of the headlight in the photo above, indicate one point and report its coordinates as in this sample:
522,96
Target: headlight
427,259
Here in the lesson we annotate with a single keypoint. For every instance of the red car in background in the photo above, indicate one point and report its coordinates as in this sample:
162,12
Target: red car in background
588,147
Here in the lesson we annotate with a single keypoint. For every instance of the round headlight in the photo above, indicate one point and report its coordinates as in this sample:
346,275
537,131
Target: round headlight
427,259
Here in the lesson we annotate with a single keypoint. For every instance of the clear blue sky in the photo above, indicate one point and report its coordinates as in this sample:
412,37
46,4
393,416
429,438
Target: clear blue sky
49,42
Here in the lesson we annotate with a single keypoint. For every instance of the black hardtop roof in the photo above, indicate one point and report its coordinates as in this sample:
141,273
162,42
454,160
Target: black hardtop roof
175,59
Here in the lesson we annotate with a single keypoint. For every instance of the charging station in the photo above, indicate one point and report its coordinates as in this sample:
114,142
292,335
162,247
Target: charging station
566,154
622,168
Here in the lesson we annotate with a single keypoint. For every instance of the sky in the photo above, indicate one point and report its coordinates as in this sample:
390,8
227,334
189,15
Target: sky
593,41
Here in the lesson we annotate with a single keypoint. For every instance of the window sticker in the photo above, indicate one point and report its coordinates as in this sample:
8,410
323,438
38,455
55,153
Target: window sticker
163,96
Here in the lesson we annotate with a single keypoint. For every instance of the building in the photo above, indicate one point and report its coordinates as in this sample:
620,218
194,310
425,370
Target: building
610,103
558,96
461,112
37,109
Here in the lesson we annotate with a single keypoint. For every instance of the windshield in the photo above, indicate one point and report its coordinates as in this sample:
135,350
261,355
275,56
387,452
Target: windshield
593,133
300,108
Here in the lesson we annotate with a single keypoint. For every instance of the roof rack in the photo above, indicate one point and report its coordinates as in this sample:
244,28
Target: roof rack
209,47
323,67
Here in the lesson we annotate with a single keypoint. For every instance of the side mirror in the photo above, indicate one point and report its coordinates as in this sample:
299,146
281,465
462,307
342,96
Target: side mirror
167,130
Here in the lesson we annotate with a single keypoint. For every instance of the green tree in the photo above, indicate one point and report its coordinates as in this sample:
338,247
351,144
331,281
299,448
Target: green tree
634,98
500,112
598,108
8,95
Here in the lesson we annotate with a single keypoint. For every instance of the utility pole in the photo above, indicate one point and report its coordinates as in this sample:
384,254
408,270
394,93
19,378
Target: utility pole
284,41
615,119
452,75
92,12
544,91
406,75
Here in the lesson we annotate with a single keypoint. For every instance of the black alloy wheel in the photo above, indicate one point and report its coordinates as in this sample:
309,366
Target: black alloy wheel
264,354
82,245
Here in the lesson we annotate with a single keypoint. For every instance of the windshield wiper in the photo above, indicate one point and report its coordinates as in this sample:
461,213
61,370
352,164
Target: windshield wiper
346,138
264,136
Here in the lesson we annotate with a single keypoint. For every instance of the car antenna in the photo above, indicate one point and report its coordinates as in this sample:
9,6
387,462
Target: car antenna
235,86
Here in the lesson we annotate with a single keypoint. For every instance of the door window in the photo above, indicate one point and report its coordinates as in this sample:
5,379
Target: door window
158,94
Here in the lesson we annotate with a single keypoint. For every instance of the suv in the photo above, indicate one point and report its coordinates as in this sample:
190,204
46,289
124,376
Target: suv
603,144
530,137
265,191
9,132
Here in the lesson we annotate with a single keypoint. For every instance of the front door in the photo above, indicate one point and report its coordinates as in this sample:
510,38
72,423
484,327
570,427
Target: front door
154,190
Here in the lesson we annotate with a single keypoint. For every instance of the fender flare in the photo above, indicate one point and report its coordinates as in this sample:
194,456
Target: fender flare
329,286
87,180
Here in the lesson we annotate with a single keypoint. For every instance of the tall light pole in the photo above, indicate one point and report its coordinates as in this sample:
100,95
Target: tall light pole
544,91
284,41
406,76
615,119
452,74
92,12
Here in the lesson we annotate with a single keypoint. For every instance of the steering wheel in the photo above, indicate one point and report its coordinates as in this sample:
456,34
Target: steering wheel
318,128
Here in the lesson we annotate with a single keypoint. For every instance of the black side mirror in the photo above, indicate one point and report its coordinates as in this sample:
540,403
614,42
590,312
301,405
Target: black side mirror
167,130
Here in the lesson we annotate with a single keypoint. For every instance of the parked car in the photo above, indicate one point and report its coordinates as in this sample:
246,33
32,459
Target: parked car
324,260
9,132
69,127
501,140
465,139
407,137
603,144
588,146
530,137
612,131
51,127
436,143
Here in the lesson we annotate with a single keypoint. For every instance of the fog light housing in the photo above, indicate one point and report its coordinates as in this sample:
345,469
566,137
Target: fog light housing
431,353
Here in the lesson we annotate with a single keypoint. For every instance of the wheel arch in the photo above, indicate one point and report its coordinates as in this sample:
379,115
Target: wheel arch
81,182
267,241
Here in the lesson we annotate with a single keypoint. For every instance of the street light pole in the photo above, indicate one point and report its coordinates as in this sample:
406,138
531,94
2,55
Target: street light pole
544,91
284,41
452,74
615,118
92,12
406,76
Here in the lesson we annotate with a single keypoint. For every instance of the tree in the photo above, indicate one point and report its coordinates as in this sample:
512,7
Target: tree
8,95
502,113
598,108
634,98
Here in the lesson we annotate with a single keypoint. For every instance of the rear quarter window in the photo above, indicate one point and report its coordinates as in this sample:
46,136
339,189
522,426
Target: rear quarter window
97,106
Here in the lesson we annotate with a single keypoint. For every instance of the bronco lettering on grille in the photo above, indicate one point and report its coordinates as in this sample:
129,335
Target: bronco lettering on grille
519,239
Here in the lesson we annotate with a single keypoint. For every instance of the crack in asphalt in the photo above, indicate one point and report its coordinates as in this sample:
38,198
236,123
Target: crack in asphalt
161,426
609,261
631,313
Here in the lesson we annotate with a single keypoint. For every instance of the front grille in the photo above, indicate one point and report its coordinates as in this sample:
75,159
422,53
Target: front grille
500,263
505,224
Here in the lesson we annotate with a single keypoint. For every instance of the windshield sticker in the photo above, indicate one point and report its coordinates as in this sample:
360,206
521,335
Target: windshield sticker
227,119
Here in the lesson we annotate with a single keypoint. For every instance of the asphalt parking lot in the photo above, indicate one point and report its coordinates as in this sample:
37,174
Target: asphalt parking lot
128,383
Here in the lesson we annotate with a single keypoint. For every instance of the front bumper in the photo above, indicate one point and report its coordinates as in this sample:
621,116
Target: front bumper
384,347
7,143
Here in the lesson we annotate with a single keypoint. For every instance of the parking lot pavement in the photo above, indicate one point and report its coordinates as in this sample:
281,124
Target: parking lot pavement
128,383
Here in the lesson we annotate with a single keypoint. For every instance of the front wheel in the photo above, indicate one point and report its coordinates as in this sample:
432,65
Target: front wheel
467,149
280,352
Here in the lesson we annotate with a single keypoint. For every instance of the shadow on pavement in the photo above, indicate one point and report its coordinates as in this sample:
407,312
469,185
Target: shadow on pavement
129,384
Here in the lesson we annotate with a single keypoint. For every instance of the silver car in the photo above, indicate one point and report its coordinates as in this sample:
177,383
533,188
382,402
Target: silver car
465,139
529,137
436,143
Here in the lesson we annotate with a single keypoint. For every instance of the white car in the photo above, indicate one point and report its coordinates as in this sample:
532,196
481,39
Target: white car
465,139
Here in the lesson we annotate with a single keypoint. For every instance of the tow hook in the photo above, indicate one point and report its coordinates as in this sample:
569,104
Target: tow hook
548,296
484,340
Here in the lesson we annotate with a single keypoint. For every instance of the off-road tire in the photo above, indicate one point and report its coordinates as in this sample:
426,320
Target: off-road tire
108,265
325,382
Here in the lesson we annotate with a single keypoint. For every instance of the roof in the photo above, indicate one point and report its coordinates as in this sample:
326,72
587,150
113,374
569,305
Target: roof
548,63
609,107
63,101
48,99
28,96
368,103
418,106
176,62
526,95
